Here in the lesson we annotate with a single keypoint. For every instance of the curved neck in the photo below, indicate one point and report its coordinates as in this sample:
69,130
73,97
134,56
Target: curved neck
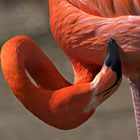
60,104
25,55
63,106
53,4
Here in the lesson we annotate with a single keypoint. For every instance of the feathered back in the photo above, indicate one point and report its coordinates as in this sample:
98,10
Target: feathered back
108,8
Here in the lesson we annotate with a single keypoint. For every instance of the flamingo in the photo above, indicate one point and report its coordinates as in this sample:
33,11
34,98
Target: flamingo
82,29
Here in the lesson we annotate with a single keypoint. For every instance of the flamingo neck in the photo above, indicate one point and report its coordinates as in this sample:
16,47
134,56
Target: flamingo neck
67,107
56,97
26,56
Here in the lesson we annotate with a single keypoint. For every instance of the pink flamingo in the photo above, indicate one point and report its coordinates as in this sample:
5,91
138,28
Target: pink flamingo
82,29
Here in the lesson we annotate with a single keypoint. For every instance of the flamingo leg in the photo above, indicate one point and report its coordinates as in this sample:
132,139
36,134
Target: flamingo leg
135,90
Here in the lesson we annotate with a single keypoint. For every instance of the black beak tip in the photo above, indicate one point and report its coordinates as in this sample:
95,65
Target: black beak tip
113,56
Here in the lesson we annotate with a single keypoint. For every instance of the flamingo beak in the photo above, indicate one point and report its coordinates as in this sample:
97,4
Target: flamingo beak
108,79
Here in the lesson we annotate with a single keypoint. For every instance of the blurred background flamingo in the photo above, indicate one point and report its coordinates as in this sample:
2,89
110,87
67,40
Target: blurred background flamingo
104,54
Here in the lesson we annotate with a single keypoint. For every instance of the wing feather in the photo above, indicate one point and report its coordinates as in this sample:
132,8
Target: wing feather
108,8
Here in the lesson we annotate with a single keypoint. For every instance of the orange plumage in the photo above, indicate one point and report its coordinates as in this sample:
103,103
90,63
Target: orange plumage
82,29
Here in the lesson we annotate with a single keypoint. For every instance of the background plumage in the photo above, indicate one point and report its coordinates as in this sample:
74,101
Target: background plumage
113,120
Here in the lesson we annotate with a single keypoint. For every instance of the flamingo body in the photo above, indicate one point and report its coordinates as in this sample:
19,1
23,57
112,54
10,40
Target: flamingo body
80,35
